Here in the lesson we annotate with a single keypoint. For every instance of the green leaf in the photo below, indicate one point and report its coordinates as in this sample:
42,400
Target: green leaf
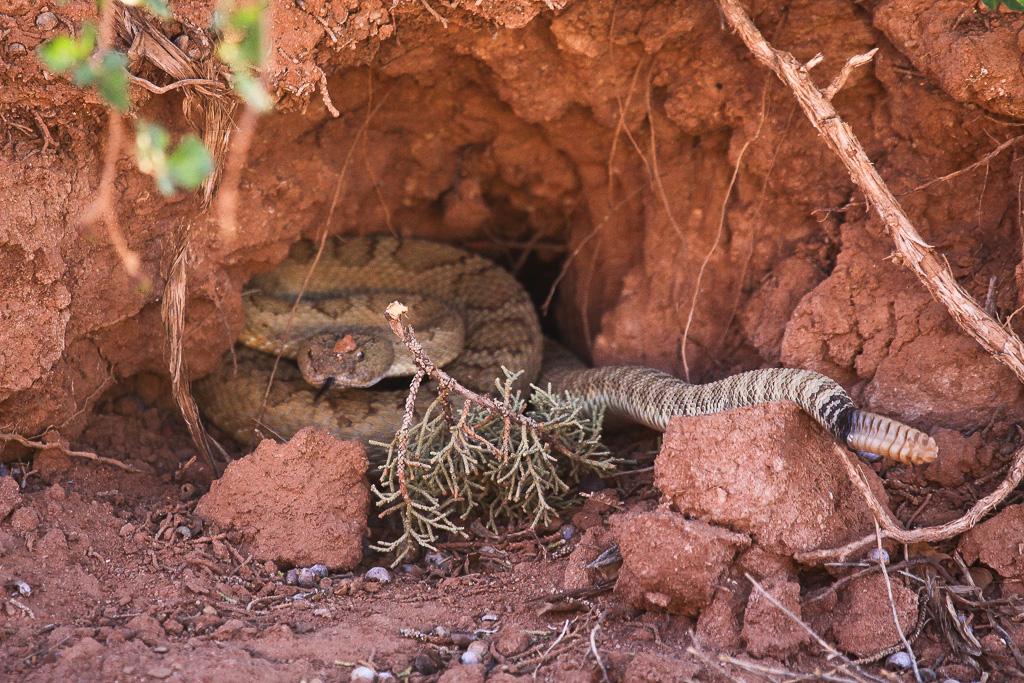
63,53
112,80
252,92
151,140
158,8
185,167
190,163
1015,5
242,43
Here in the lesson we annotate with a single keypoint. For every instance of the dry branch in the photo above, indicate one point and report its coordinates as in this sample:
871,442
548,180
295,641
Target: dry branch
920,257
892,529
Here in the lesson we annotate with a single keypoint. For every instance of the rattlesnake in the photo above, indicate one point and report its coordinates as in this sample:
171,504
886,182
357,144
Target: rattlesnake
464,299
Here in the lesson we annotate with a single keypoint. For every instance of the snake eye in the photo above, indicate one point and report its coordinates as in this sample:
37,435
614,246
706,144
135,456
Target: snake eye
359,355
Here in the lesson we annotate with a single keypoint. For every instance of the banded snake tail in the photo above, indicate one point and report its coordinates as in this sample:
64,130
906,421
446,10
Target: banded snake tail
481,320
652,398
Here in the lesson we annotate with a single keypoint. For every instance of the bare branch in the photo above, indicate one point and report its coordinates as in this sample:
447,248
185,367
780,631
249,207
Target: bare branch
919,256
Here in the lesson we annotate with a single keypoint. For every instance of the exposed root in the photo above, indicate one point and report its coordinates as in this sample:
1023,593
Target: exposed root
60,446
172,311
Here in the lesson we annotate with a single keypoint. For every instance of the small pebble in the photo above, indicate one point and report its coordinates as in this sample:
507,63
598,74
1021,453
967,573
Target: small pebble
46,21
489,617
24,589
319,571
184,532
426,662
363,673
462,639
898,660
386,677
873,555
305,577
14,50
1005,449
291,577
469,658
379,574
567,532
927,675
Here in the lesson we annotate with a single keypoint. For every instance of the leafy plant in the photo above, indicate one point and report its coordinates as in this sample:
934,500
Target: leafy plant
106,72
242,47
185,167
1015,5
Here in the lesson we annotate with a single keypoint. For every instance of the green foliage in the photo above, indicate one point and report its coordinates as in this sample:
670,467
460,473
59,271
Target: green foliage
185,167
1015,5
475,462
64,53
158,8
107,73
242,47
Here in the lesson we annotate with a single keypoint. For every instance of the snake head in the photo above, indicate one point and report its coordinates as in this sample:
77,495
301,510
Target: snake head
345,359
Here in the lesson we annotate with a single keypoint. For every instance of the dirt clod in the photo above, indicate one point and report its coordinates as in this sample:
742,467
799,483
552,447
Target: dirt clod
10,496
318,487
767,630
998,542
669,562
766,471
863,622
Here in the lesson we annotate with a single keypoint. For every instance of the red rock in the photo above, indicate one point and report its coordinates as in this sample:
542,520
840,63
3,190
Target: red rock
10,496
652,668
862,622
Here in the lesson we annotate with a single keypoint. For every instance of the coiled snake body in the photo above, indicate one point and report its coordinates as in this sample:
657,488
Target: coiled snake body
475,318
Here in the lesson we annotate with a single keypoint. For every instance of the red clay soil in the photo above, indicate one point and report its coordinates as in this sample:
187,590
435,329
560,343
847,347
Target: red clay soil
631,153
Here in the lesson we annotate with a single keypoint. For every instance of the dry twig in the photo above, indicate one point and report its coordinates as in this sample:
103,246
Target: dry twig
892,529
447,384
920,257
172,311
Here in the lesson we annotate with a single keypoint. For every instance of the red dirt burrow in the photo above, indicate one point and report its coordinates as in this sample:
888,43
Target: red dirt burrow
630,157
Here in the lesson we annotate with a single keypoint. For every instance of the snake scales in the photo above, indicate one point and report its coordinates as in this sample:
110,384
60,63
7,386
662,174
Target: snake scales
474,318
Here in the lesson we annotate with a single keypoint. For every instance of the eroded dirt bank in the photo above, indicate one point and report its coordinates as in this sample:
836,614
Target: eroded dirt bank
702,227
